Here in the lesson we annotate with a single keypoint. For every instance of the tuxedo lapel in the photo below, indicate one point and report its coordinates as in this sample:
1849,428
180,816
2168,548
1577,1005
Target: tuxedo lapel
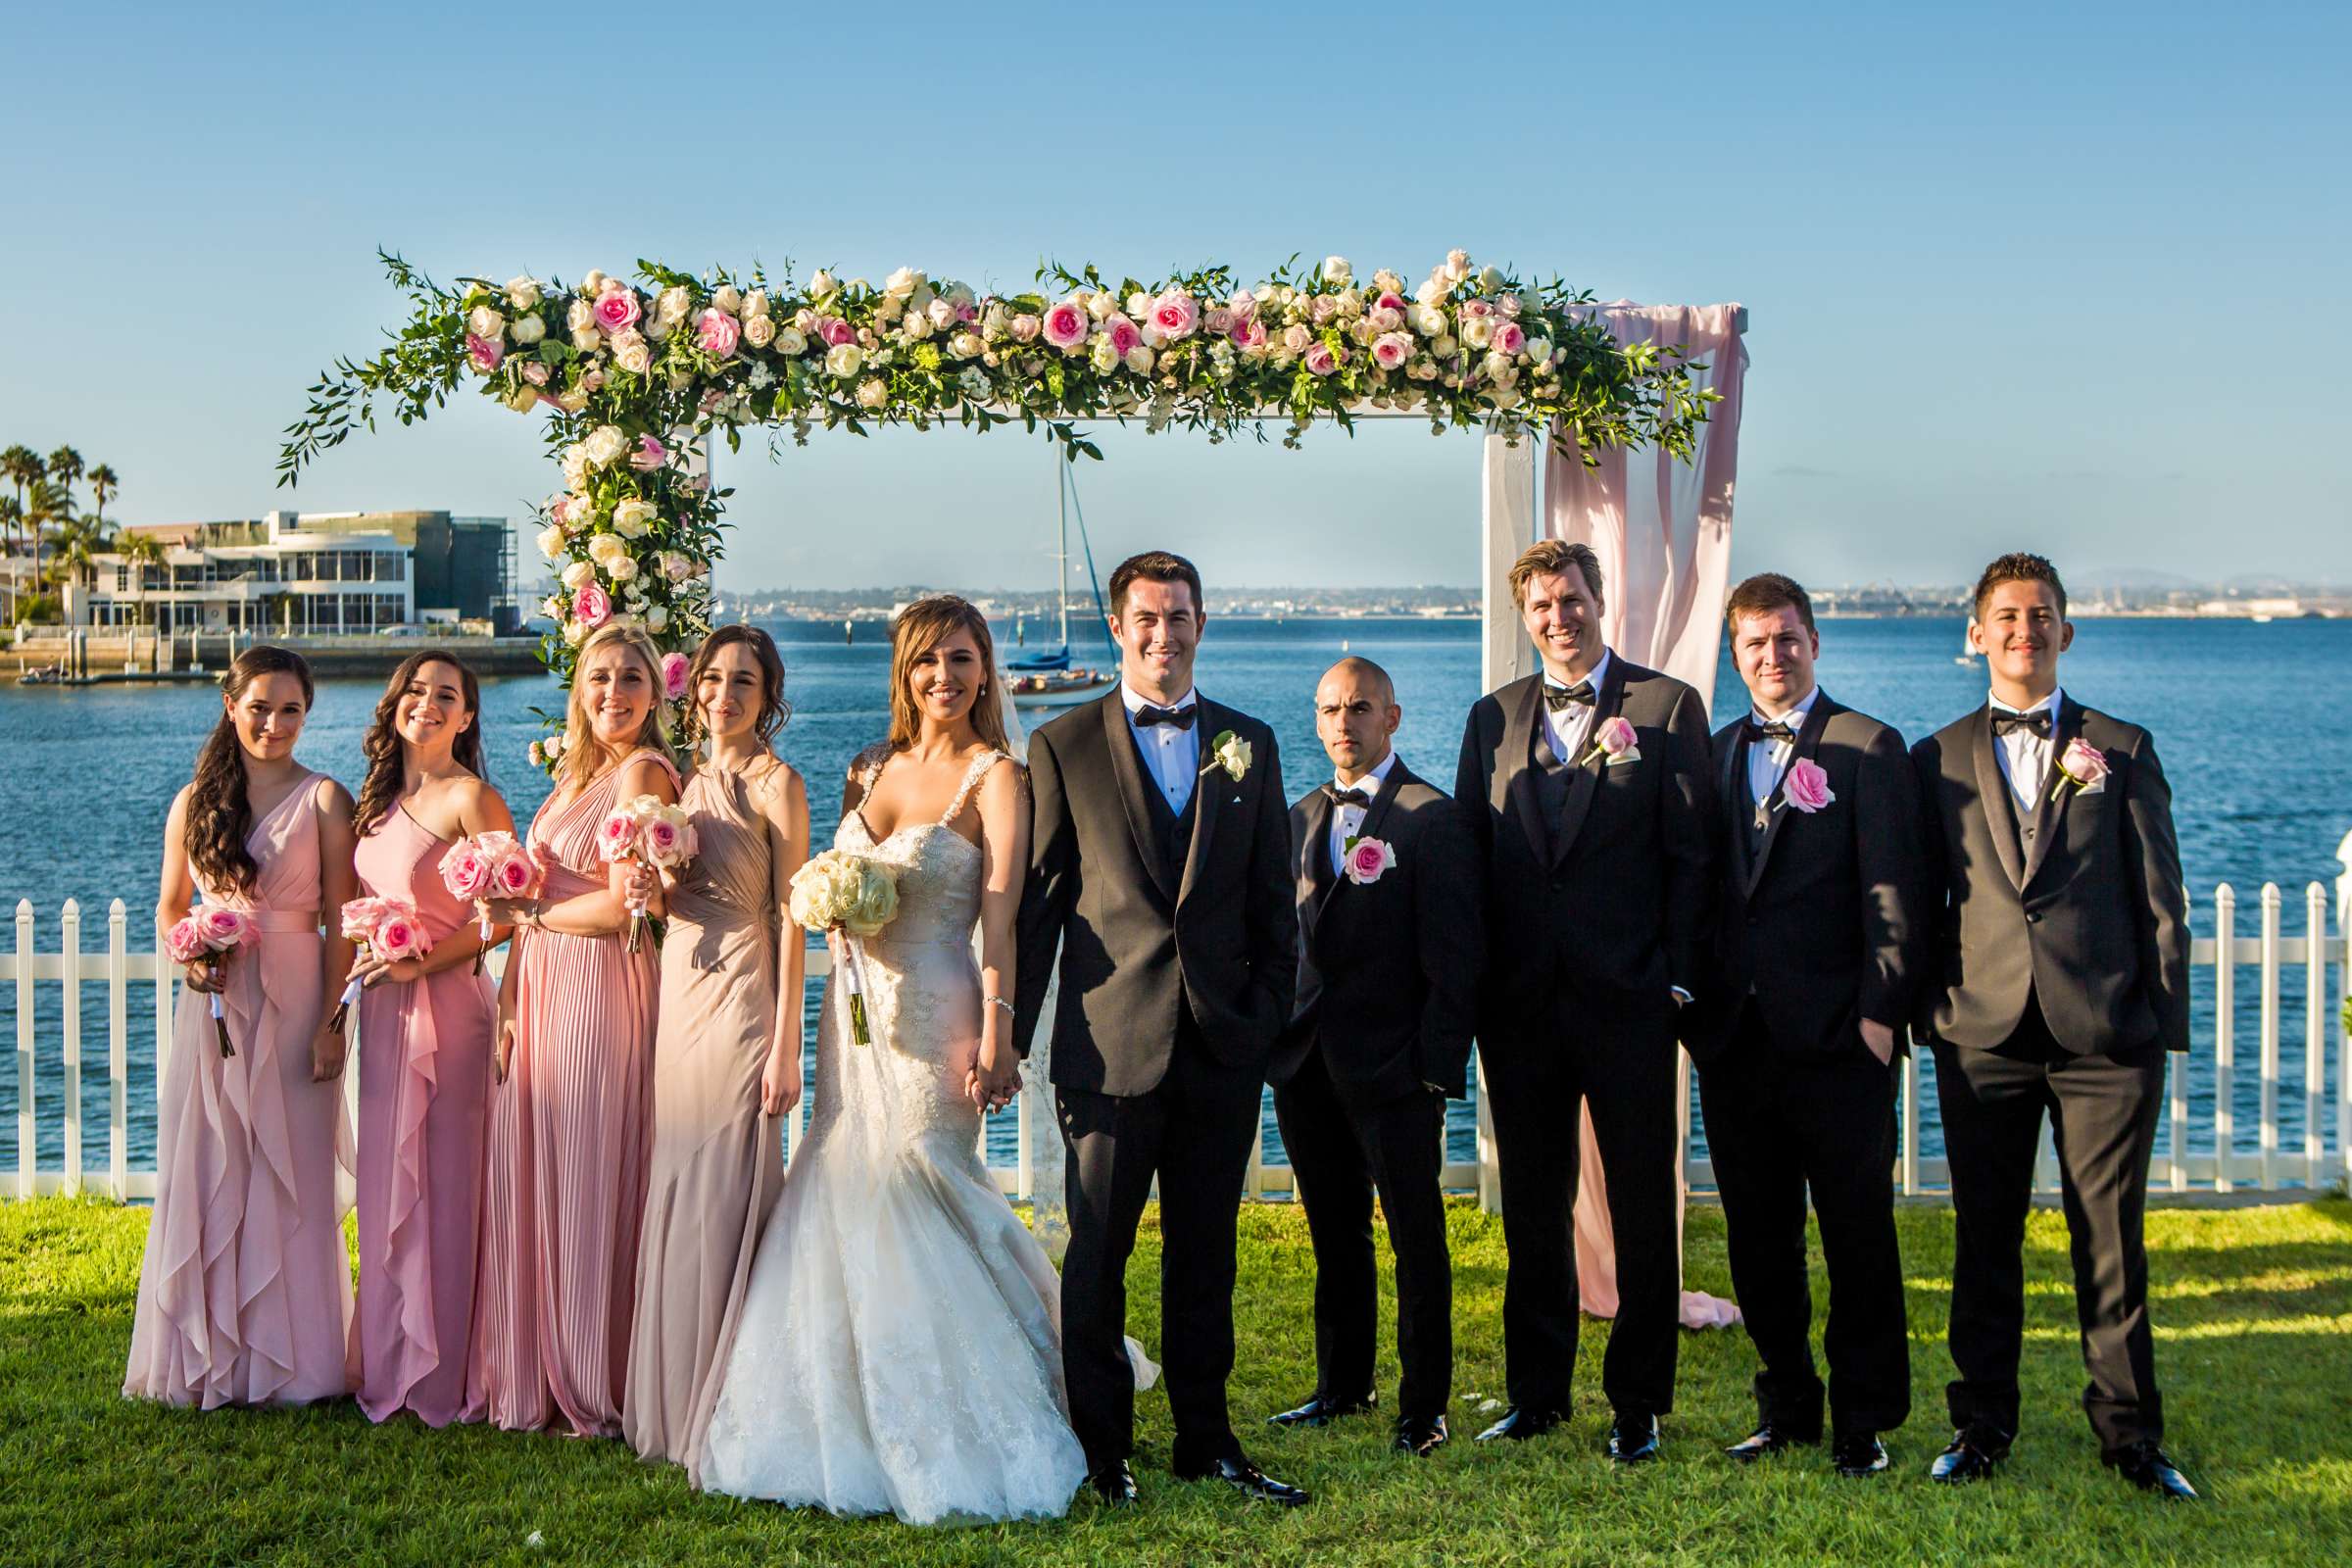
1583,782
1808,741
1208,793
1128,770
2049,805
1375,816
1992,793
1731,788
1513,784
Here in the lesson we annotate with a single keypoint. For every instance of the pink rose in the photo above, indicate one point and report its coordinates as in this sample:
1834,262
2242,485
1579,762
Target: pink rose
1509,338
398,936
559,511
718,332
535,374
968,314
1613,739
616,307
1807,786
674,674
466,872
650,454
484,353
1125,336
592,606
1474,307
1175,315
616,838
1367,858
1321,359
1248,334
515,873
1391,301
361,916
2084,765
1024,328
835,331
183,943
1217,319
1296,337
663,841
1066,325
1390,350
1381,319
221,927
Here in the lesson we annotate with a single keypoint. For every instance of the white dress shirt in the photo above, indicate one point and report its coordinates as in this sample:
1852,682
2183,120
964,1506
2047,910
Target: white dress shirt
1568,731
1768,760
1346,820
1171,754
2024,757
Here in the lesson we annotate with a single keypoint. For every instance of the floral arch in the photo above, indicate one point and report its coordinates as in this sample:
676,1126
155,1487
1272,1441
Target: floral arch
636,377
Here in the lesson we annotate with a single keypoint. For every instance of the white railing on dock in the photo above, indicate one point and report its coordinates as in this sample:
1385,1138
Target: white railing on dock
2224,1167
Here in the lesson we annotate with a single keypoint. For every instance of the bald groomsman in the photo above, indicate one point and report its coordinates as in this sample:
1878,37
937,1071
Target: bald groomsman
1388,951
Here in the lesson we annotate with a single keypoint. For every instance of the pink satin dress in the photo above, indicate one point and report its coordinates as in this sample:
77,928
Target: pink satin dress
568,1128
424,1089
245,1290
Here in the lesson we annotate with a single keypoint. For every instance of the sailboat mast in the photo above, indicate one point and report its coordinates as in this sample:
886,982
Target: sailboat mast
1062,557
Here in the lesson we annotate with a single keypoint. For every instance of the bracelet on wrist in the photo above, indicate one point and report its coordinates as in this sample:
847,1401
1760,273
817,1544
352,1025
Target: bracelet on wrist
998,1001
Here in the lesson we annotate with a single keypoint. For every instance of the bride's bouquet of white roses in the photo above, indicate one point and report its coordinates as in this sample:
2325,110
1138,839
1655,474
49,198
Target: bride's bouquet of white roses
847,897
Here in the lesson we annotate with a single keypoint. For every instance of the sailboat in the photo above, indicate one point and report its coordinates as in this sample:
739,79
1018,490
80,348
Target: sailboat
1967,649
1047,678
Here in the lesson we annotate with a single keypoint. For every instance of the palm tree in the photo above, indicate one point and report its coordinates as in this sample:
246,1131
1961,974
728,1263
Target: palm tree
20,466
103,485
48,505
139,551
11,521
77,557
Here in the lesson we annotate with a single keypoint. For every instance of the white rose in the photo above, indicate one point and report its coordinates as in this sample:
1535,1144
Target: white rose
791,340
844,358
1385,281
960,295
529,329
1489,278
1444,347
889,310
621,568
755,304
606,548
1498,369
964,345
1429,321
657,619
918,327
1106,358
942,313
1458,265
656,329
672,304
578,575
1100,305
575,632
902,283
729,299
1139,304
555,747
821,284
604,446
575,468
594,283
759,332
1539,351
1337,272
1138,360
1478,330
873,392
551,542
1433,292
1350,303
588,340
484,323
634,518
552,607
522,292
580,316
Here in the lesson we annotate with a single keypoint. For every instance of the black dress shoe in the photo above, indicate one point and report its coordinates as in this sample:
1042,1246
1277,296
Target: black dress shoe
1770,1437
1420,1436
1858,1453
1321,1410
2144,1465
1634,1436
1971,1455
1519,1425
1113,1484
1247,1479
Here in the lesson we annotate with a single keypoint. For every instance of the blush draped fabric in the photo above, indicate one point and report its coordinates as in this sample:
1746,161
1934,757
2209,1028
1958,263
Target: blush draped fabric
1663,531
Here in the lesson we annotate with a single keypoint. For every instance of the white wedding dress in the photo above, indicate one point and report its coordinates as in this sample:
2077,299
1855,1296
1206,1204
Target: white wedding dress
899,1349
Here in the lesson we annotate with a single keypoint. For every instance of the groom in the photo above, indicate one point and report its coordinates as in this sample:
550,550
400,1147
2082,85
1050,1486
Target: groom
1159,865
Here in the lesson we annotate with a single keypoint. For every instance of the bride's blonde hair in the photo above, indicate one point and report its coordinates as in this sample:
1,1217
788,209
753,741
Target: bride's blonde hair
917,629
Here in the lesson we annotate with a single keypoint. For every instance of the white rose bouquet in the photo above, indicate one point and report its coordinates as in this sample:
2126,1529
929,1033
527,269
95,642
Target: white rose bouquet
847,897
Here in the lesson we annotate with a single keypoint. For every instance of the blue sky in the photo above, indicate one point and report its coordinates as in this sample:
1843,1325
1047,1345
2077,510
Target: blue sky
2069,281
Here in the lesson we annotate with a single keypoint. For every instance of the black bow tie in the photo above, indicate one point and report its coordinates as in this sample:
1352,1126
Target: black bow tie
1556,698
1182,718
2036,722
1347,797
1777,730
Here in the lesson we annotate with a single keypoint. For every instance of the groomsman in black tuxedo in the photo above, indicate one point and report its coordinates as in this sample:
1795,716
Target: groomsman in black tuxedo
2060,981
1591,803
1380,1039
1159,870
1816,953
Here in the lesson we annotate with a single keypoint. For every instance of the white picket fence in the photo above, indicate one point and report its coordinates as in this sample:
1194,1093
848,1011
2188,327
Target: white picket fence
2264,1167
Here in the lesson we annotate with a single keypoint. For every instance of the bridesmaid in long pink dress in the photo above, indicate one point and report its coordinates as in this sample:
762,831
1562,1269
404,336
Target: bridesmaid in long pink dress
568,1120
245,1290
425,1027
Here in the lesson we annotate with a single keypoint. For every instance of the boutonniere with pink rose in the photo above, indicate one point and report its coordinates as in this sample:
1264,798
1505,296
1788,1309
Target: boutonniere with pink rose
1365,861
1613,742
2084,765
1807,786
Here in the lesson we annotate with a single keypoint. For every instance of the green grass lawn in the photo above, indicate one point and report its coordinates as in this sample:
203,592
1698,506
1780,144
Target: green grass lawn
2254,1344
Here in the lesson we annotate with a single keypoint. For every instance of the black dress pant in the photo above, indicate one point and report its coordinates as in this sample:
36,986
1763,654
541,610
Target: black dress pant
1193,1131
1779,1124
1339,1152
1620,1060
2103,1113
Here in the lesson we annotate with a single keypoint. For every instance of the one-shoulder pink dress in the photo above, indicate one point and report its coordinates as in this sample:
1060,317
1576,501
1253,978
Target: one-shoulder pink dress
568,1128
424,1089
245,1290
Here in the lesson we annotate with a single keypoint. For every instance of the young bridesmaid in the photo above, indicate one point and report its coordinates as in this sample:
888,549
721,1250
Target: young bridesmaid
728,1057
245,1292
425,1028
569,1122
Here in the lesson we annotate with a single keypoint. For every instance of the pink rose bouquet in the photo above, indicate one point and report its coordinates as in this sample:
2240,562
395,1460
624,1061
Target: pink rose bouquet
490,865
388,929
1367,860
2084,765
216,928
652,832
1807,786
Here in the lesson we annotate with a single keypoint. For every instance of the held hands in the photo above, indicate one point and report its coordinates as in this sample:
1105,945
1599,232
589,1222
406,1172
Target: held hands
1879,1037
995,1079
779,1085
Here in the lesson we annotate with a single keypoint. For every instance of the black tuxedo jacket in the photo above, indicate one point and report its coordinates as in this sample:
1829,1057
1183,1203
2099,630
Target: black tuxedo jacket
1388,971
1619,907
1140,939
1820,918
2093,921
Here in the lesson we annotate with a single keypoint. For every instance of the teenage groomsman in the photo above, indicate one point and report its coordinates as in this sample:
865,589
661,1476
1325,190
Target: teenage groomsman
2061,981
1816,952
1388,979
1589,795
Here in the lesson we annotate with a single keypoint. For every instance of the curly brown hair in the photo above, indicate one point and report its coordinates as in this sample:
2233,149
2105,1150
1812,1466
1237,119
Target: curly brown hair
219,815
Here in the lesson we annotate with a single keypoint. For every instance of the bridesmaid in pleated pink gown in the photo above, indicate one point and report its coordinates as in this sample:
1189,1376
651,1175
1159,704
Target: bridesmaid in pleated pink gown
727,1059
425,1027
245,1290
569,1118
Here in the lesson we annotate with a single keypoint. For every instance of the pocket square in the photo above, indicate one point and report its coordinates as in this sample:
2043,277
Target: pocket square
2100,788
1632,753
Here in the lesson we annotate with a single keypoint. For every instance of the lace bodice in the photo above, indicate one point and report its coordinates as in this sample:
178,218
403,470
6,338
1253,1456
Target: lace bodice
939,868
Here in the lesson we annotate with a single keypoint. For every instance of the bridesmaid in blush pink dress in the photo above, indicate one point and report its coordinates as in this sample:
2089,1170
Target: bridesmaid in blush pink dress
245,1290
566,1191
425,1028
727,1061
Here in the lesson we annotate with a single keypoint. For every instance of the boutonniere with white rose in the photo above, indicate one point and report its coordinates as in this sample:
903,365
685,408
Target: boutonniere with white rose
1366,860
1229,752
2084,765
1613,742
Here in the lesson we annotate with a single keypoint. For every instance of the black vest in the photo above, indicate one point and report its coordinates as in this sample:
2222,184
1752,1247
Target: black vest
1173,831
1553,779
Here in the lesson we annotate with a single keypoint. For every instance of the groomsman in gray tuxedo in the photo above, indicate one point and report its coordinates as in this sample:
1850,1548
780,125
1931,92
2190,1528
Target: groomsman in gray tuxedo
1389,946
1815,958
2060,983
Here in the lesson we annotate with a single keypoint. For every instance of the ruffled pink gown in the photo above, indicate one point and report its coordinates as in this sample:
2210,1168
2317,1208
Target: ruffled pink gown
566,1190
424,1089
245,1289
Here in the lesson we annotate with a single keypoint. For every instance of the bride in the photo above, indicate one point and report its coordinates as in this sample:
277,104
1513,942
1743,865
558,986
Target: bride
898,1346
